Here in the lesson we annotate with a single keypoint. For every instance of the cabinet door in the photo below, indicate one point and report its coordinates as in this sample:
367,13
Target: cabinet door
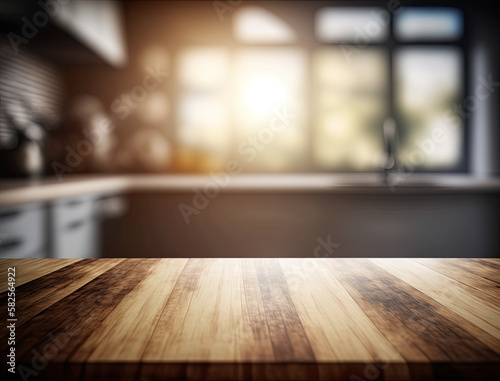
98,25
23,231
74,228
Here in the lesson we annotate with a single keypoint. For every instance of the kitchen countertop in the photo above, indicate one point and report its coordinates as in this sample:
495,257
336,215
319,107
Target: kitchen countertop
22,191
261,319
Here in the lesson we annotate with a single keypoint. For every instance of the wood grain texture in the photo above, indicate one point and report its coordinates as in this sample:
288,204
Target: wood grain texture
349,337
41,293
79,314
473,305
481,276
36,269
258,319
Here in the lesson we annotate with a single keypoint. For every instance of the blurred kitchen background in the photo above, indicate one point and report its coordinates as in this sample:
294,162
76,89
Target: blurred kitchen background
249,128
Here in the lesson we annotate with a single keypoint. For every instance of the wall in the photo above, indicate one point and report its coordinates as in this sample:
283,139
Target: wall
29,86
31,97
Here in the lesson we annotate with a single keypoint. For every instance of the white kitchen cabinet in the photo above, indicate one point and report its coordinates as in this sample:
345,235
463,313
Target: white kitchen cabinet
23,231
74,227
98,25
75,31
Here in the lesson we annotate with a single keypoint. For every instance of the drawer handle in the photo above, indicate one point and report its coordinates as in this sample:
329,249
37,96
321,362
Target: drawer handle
10,213
74,202
6,242
75,225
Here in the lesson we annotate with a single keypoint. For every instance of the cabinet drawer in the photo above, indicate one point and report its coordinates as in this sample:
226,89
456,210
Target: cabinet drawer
73,210
74,227
77,240
22,230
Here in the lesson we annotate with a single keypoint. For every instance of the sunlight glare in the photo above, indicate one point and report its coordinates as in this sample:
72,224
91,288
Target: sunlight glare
264,93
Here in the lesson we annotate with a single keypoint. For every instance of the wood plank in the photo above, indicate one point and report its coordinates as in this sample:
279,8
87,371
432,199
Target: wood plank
261,319
468,272
37,295
30,269
74,317
337,328
290,342
479,308
215,294
493,263
253,308
205,319
487,268
124,333
168,331
419,327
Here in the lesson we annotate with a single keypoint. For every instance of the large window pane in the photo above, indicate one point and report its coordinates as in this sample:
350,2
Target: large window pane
359,25
428,85
428,24
270,96
204,67
204,134
349,108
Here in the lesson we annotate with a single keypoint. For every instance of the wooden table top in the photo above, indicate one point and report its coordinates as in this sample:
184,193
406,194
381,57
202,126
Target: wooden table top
255,319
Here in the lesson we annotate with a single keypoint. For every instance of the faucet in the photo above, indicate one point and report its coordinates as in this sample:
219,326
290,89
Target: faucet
389,131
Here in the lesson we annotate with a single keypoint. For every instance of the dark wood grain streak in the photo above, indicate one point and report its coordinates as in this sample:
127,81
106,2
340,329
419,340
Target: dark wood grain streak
36,289
424,331
484,268
134,318
78,314
26,271
255,308
478,308
469,272
289,339
39,294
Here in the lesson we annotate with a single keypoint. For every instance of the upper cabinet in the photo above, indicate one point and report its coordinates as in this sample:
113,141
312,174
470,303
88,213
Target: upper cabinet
66,31
97,24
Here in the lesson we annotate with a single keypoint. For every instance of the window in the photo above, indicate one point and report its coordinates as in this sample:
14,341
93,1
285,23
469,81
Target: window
428,84
257,25
331,95
428,24
203,120
270,81
428,76
349,24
